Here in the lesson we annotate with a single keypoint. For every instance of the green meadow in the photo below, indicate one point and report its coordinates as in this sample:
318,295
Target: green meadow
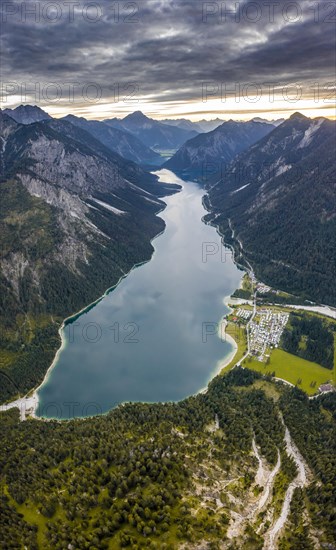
306,375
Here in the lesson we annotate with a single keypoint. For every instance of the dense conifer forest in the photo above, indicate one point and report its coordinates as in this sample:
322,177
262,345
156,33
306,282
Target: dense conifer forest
311,338
159,475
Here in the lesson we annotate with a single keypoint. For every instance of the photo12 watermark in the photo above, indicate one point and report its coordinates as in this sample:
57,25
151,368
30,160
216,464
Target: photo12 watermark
68,92
126,332
53,12
219,330
213,251
271,92
268,11
29,404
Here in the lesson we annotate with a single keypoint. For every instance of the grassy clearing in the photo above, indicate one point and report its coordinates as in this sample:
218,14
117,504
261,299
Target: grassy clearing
237,306
268,388
293,369
31,515
6,358
239,336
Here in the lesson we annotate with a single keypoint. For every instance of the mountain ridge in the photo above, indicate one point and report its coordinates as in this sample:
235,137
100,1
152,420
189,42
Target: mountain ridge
279,196
25,114
74,218
208,153
125,144
117,140
153,133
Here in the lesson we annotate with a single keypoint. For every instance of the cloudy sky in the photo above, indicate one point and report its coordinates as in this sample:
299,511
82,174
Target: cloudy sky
170,58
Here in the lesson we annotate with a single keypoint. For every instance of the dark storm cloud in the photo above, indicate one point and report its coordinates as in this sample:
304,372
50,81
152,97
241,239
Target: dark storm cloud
169,48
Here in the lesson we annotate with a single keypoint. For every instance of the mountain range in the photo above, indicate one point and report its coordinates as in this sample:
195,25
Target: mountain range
117,140
125,144
203,126
278,199
185,124
207,154
153,133
75,215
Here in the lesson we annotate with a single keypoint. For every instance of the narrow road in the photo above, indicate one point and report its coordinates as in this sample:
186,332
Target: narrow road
252,277
248,331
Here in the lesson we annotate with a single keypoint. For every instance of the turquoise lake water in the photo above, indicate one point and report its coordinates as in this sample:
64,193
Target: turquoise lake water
153,338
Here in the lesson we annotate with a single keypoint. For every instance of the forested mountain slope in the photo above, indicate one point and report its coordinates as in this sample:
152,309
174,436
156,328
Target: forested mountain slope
212,472
279,198
208,155
121,142
74,218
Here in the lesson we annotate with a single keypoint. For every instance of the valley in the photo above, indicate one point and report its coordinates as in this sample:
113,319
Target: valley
176,297
193,415
167,275
60,243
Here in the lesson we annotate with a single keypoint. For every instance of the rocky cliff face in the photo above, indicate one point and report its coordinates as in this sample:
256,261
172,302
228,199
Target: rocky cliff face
67,174
74,218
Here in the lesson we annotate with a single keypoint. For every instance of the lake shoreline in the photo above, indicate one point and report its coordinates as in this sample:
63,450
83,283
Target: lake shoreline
86,308
32,399
32,396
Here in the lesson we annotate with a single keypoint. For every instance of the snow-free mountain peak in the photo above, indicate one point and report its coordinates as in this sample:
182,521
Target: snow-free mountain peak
27,114
297,115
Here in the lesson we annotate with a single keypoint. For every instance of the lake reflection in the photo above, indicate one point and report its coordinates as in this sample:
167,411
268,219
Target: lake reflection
145,340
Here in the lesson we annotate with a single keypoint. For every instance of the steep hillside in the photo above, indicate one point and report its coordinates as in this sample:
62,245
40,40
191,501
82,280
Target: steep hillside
249,464
121,142
279,198
74,218
207,155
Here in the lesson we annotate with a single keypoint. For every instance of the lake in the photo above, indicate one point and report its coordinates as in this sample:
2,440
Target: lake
154,337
